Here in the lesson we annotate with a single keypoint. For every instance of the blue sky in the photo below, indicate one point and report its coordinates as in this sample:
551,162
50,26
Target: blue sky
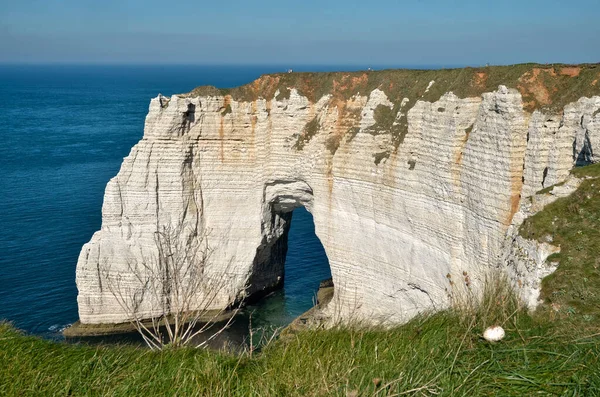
401,33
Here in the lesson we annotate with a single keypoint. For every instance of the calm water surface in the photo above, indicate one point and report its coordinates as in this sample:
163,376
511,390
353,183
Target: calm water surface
64,132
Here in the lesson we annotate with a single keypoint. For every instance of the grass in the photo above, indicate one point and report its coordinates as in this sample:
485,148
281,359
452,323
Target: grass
226,110
385,122
441,354
573,223
548,86
310,130
549,188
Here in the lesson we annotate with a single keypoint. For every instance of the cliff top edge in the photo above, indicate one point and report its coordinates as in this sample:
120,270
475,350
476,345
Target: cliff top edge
543,86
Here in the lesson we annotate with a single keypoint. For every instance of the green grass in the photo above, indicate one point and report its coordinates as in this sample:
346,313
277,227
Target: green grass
385,122
310,130
226,110
549,188
550,352
573,223
533,80
441,354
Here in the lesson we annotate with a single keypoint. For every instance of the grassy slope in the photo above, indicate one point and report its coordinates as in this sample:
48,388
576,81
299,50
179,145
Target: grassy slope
441,354
573,223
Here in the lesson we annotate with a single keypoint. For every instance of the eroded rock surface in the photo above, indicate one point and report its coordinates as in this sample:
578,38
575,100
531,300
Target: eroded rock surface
402,205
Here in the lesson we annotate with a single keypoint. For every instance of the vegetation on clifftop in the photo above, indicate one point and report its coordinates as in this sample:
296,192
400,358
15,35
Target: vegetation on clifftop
549,87
545,87
573,224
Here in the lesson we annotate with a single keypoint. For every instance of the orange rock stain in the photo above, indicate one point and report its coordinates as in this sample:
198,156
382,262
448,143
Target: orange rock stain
531,84
480,80
226,102
572,71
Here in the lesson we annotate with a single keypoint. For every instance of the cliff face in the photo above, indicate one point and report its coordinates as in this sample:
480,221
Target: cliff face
414,178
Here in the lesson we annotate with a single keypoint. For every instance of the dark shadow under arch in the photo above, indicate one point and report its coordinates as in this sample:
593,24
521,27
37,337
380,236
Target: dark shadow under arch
299,259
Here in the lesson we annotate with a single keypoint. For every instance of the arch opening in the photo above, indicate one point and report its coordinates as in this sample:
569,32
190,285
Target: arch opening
291,263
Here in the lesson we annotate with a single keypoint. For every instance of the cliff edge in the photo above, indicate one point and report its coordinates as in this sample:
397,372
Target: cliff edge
415,179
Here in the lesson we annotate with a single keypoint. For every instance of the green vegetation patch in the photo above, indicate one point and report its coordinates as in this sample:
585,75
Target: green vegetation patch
548,189
379,157
226,110
548,87
284,93
352,132
310,130
206,90
384,119
468,131
441,354
332,143
386,122
573,224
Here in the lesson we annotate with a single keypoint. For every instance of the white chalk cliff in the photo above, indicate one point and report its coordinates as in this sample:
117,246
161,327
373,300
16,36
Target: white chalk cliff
400,213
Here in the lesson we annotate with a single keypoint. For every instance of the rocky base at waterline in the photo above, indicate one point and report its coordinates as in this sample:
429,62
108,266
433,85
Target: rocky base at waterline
316,316
81,330
417,182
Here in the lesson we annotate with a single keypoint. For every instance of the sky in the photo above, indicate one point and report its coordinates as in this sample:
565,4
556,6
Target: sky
302,32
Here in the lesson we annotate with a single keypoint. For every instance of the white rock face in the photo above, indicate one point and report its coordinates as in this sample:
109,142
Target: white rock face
443,203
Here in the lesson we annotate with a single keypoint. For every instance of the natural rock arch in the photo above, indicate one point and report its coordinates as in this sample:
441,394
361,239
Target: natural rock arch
397,217
280,199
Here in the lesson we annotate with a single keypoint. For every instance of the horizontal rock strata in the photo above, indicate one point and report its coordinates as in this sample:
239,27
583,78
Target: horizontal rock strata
411,185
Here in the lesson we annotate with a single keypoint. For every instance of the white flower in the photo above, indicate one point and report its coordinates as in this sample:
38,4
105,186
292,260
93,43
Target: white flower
494,334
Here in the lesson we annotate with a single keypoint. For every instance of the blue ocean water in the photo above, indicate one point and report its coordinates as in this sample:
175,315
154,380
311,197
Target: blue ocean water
64,131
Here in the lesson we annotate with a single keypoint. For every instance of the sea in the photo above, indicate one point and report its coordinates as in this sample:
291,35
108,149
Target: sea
64,131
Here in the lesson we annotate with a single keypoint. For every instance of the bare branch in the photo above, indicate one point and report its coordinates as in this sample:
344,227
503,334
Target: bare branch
169,297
